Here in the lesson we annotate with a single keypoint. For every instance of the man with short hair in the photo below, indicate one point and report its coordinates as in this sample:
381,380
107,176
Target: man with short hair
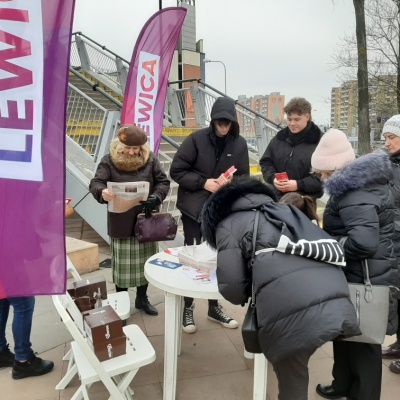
290,151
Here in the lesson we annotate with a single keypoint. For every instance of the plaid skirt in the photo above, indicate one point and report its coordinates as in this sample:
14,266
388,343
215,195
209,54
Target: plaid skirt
127,261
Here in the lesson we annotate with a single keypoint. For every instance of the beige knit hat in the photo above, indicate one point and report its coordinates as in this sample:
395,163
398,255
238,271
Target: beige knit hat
333,152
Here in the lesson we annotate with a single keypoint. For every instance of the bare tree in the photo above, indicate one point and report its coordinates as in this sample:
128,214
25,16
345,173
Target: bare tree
382,21
362,78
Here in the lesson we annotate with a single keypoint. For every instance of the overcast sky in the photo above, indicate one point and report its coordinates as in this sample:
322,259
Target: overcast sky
267,46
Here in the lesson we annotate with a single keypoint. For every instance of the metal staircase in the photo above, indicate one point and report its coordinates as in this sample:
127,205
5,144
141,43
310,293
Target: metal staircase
95,93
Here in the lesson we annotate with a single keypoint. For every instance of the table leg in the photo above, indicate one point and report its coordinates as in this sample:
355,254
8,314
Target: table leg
179,323
171,345
260,377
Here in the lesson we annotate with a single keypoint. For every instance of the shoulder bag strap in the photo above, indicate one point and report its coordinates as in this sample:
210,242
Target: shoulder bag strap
367,282
253,255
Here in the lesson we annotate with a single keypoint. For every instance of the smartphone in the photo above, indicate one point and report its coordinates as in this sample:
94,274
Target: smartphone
281,176
230,171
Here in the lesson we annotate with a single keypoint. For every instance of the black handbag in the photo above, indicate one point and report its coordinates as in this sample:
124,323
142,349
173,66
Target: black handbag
250,325
159,227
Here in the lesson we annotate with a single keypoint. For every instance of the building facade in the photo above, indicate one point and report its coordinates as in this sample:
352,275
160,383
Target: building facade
382,102
270,106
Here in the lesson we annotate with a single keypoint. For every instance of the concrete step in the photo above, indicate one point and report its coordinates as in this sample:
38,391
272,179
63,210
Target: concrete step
84,255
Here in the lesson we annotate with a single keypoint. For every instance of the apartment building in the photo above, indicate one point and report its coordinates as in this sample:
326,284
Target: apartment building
383,105
270,106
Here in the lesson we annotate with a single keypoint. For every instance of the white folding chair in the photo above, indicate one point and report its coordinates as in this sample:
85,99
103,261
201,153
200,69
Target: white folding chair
116,373
121,304
119,301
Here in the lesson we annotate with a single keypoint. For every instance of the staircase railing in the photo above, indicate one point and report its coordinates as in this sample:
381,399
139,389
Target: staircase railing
188,102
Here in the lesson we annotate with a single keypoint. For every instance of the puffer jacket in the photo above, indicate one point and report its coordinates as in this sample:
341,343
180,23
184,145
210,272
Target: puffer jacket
301,303
197,160
360,214
294,159
395,187
121,225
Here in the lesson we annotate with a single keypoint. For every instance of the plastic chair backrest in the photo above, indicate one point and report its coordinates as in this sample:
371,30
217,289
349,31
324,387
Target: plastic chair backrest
66,309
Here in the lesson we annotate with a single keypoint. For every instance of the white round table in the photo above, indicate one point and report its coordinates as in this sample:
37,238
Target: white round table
176,285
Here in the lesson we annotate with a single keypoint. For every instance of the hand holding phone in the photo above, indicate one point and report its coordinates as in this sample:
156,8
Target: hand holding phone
229,172
281,176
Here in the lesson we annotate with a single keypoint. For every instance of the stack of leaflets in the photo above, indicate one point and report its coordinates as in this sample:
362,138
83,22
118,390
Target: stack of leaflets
200,256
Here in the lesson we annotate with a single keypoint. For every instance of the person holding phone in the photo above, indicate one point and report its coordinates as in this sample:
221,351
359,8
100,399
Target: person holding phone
199,167
290,151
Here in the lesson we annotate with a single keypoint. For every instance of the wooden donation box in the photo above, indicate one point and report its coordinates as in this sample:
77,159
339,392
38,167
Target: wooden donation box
105,335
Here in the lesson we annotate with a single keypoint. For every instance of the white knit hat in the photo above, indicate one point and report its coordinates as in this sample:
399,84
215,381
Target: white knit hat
333,152
392,125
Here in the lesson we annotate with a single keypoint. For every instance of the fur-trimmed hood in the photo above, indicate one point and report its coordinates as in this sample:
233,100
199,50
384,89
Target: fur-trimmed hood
239,195
373,168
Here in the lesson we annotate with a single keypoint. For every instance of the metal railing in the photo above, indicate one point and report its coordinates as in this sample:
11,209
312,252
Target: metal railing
188,102
85,119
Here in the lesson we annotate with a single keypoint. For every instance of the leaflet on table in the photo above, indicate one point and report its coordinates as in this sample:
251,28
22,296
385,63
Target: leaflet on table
128,195
199,275
165,263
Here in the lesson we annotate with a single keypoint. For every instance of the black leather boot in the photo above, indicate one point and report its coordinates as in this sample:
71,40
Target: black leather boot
328,392
142,302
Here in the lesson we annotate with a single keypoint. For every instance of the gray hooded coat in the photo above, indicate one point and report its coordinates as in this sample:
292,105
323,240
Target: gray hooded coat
301,303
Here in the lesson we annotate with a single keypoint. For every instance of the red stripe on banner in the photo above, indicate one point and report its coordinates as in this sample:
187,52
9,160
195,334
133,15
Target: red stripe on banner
147,81
11,14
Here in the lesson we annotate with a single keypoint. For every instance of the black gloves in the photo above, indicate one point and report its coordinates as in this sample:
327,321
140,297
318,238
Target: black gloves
150,204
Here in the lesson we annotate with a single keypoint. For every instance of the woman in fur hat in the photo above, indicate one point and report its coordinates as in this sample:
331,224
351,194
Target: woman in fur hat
301,302
360,215
130,160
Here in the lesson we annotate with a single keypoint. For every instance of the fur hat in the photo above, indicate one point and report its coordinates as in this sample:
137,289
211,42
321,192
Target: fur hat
333,152
131,135
392,125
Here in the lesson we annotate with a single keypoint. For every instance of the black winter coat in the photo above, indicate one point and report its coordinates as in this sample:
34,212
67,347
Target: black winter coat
360,214
301,303
395,187
294,159
197,160
121,225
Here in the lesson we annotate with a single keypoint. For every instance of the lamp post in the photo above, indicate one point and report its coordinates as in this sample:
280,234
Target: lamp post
215,61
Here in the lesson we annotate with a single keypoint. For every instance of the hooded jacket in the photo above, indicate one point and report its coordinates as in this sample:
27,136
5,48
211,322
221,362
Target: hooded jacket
301,303
282,155
360,214
198,159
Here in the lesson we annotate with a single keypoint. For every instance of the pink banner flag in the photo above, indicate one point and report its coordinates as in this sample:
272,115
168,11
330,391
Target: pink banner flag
35,37
147,82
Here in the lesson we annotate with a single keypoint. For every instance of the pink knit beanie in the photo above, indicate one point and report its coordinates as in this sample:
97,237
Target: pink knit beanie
333,152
